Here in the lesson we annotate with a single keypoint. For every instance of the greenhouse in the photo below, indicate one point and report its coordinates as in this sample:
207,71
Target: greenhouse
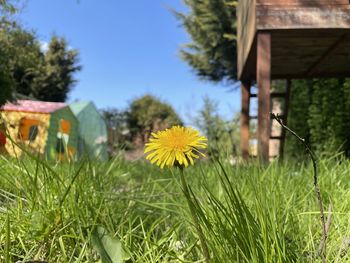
92,131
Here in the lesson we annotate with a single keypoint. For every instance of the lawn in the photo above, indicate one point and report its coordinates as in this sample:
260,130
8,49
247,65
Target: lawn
53,212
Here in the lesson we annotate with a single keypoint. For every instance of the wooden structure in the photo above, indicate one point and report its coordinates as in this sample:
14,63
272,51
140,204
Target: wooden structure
287,39
48,128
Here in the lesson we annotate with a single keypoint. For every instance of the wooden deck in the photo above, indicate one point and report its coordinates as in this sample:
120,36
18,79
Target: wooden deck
306,53
287,39
303,34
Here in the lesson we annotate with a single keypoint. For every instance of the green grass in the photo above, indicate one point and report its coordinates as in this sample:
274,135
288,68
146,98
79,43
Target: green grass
248,213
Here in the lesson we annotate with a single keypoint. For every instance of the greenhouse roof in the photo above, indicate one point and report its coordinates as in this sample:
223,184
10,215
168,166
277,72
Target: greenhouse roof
77,107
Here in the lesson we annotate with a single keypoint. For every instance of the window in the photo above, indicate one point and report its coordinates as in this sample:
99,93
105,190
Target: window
33,132
28,129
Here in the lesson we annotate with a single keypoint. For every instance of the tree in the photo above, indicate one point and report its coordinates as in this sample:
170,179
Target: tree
222,135
118,130
115,119
55,76
14,57
20,56
29,71
212,27
7,9
6,87
147,114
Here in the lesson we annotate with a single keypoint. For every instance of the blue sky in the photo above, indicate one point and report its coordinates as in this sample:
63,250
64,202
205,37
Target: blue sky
127,49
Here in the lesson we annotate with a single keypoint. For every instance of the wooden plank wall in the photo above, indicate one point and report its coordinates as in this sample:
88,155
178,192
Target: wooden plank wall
246,29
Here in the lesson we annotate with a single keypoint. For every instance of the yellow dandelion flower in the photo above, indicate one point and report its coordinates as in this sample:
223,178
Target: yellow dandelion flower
175,145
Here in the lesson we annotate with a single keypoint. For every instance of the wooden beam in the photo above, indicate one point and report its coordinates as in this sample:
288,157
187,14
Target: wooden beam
329,52
245,91
291,17
321,75
263,73
303,3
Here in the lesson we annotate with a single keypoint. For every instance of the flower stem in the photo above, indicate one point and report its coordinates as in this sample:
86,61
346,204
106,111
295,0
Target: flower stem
194,216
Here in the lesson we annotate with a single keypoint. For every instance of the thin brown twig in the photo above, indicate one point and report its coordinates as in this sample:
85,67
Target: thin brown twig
328,223
322,247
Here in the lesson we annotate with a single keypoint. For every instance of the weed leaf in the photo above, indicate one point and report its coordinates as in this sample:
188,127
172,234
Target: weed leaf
108,247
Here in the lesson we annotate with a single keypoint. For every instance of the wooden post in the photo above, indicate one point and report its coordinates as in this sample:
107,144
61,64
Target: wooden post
263,77
245,93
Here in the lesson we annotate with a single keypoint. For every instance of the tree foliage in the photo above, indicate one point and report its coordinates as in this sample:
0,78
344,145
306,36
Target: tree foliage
212,27
320,112
115,119
118,130
6,86
147,114
20,55
130,128
30,71
223,136
8,7
55,75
